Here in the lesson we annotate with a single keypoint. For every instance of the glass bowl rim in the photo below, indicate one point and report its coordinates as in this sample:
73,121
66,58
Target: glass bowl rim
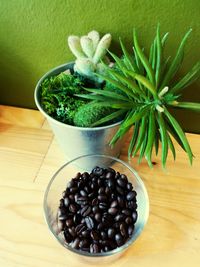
118,249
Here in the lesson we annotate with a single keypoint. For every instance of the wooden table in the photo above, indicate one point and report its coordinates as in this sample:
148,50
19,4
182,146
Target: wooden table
29,156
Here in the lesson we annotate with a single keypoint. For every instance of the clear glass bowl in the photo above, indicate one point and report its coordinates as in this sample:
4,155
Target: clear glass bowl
59,182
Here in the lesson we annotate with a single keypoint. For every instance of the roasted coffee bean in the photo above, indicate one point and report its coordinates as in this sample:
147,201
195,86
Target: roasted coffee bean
95,209
61,203
93,186
89,222
82,200
98,217
71,184
119,239
85,233
120,201
107,219
121,182
104,236
83,193
98,171
84,243
64,194
86,188
94,248
130,230
66,202
69,222
80,184
72,231
80,228
129,220
73,190
94,235
85,211
78,175
131,195
75,243
112,211
129,186
91,195
100,182
111,232
61,225
117,175
85,175
68,237
100,226
108,191
119,190
101,191
103,205
110,175
72,208
119,217
111,183
116,225
77,218
126,212
106,249
123,229
114,204
124,177
131,205
62,217
134,216
71,197
95,202
102,198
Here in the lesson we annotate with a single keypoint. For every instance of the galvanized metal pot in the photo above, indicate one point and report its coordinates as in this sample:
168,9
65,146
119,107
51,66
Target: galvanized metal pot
78,141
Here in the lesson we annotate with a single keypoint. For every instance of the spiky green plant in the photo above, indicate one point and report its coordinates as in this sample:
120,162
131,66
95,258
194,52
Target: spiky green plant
149,90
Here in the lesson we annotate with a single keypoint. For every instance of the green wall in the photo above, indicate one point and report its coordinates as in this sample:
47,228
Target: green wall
33,38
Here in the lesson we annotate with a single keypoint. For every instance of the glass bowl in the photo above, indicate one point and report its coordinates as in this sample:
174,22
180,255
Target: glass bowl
59,182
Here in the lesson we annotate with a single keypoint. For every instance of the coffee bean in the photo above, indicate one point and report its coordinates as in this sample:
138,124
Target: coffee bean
120,201
121,182
129,186
95,202
111,232
129,220
123,229
130,230
132,205
108,191
116,225
100,226
89,222
73,190
83,193
68,237
80,228
104,236
94,235
134,216
82,200
72,231
114,204
75,243
112,211
61,203
120,190
84,243
85,211
72,208
95,209
86,188
119,217
85,233
102,198
101,191
85,175
76,218
62,214
91,195
61,225
117,175
107,219
71,184
103,205
78,175
126,212
131,195
94,248
66,202
97,217
119,239
69,222
110,175
124,177
111,183
71,197
98,171
100,182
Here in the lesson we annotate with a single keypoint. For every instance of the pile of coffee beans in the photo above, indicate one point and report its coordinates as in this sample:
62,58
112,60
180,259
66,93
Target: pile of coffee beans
97,212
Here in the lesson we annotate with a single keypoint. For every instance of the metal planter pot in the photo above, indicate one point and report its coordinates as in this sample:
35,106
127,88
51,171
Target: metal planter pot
78,141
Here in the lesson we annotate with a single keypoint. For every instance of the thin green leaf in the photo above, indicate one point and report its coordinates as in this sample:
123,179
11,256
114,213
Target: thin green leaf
138,62
110,117
180,133
143,147
171,146
143,58
151,137
118,104
119,62
134,138
137,116
129,59
158,56
186,105
107,93
164,39
188,79
176,62
154,54
143,129
156,143
164,140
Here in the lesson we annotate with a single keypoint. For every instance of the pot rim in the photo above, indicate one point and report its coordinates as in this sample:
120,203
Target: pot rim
36,97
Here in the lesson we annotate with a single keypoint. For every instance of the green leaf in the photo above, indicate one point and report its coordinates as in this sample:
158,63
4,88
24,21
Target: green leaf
164,138
110,117
134,138
180,133
188,79
137,116
138,62
118,104
143,58
164,39
151,137
171,146
128,58
119,62
147,84
143,147
176,62
143,129
186,105
107,93
158,56
156,143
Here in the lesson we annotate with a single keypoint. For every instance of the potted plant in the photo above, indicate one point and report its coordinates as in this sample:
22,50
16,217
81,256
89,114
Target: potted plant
55,97
147,90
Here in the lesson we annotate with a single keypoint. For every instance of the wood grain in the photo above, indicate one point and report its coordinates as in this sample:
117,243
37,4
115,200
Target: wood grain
29,157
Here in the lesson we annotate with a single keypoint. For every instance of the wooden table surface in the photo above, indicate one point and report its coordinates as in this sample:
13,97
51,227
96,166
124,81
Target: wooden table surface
29,156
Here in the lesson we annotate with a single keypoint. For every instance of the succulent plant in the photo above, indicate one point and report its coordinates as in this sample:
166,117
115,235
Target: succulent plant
90,50
149,90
